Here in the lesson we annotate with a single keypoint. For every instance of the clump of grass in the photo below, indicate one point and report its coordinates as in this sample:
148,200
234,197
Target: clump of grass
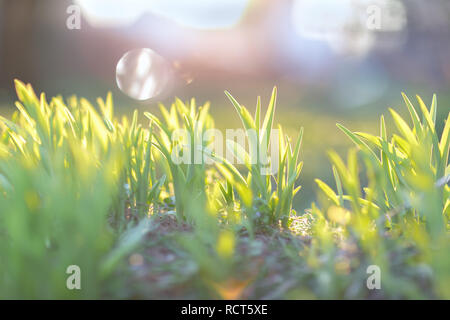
59,172
180,134
263,203
405,202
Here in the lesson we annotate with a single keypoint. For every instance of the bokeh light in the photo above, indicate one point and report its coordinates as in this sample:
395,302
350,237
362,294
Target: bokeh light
142,74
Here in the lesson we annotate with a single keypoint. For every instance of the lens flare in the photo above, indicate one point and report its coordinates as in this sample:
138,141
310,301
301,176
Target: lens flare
142,74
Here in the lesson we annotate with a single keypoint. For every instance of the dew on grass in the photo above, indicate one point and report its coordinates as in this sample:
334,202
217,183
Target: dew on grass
142,74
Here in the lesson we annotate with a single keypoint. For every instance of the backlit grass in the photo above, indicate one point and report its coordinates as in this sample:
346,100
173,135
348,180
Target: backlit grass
80,186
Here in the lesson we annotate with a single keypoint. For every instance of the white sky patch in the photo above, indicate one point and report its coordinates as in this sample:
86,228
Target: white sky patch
343,24
199,14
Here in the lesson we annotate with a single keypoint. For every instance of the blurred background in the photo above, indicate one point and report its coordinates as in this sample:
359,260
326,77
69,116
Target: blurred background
333,60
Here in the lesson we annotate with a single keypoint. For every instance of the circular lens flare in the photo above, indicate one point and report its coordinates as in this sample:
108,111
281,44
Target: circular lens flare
142,74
